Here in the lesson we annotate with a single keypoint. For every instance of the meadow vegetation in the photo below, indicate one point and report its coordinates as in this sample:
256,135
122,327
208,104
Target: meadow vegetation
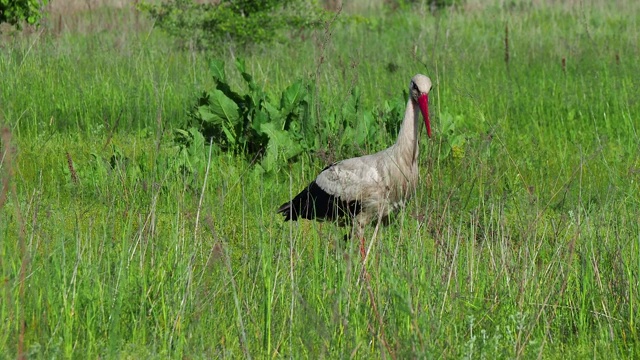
123,233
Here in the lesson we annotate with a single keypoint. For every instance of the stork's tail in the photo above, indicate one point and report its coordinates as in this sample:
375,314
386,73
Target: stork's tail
288,211
315,203
302,205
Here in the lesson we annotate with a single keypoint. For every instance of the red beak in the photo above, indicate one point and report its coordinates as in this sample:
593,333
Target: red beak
423,101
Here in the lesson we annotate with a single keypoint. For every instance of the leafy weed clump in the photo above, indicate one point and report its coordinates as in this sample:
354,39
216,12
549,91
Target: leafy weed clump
276,132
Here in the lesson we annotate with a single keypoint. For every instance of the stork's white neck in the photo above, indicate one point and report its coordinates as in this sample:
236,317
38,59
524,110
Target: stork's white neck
406,147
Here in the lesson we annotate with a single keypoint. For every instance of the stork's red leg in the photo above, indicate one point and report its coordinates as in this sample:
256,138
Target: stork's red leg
362,248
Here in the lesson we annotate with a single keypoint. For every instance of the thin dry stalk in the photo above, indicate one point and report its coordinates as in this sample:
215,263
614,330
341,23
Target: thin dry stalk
6,163
58,28
506,44
112,130
204,187
72,169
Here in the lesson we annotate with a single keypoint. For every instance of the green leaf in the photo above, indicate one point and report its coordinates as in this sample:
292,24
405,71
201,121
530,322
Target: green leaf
182,133
240,65
274,112
292,96
365,128
190,150
217,70
221,109
259,118
198,139
206,115
231,137
347,137
222,112
281,144
459,140
350,107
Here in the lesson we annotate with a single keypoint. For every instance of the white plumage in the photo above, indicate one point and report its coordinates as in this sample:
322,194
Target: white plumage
371,186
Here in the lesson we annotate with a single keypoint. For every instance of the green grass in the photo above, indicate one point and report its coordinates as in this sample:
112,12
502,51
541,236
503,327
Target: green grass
523,240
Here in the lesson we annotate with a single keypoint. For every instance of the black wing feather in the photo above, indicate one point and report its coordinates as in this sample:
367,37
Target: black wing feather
315,203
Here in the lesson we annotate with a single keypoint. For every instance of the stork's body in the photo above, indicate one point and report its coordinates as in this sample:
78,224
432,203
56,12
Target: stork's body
372,186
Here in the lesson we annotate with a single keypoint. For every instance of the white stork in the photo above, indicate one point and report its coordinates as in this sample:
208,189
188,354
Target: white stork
368,187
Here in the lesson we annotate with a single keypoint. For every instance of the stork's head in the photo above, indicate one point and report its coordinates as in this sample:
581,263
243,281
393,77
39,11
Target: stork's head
419,90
